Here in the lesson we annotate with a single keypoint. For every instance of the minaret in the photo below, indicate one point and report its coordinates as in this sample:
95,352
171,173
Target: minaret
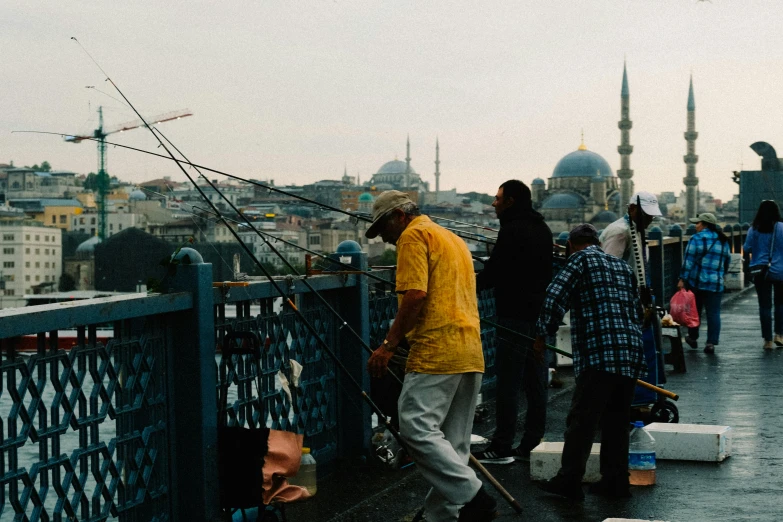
690,180
437,168
408,162
625,149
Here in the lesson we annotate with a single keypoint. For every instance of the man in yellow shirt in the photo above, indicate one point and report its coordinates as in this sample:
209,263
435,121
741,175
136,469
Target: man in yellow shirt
438,316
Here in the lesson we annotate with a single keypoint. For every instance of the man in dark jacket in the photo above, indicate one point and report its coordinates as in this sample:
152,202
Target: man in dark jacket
519,270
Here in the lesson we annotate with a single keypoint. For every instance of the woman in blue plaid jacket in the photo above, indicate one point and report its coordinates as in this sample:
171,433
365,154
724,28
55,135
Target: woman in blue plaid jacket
705,263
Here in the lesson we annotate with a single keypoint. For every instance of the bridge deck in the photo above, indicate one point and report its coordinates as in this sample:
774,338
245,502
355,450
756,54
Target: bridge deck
740,386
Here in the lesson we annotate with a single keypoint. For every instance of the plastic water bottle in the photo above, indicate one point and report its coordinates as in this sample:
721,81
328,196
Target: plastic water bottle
641,456
306,476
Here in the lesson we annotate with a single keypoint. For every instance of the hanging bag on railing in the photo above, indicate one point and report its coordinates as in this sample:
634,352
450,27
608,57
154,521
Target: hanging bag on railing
762,270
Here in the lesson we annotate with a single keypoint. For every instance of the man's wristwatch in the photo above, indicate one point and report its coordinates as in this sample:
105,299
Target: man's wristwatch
388,346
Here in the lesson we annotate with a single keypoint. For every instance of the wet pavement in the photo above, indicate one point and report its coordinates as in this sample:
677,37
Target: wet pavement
738,386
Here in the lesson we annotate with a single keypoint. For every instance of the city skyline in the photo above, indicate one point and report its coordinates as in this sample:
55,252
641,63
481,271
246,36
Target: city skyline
297,94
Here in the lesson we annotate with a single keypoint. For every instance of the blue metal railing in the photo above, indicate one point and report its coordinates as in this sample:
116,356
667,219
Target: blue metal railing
123,424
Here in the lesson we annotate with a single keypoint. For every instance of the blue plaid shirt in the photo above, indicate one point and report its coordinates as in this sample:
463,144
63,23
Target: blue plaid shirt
706,261
606,313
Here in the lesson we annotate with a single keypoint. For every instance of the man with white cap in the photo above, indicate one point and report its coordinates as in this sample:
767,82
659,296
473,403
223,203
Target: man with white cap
438,317
616,238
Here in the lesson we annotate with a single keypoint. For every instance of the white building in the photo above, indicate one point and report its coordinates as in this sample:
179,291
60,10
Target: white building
30,260
264,253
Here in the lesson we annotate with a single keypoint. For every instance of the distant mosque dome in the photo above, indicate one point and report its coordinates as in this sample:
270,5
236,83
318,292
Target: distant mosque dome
394,167
88,247
604,218
137,195
538,181
582,163
563,200
366,197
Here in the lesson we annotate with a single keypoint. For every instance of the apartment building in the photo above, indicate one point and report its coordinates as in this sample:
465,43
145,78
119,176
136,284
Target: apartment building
30,260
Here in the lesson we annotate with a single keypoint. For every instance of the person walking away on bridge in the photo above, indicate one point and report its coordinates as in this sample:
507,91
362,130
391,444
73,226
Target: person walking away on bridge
704,265
438,316
519,270
766,260
606,336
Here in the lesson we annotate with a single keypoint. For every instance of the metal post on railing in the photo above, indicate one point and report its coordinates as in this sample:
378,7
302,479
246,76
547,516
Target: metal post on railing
656,264
192,400
745,258
355,426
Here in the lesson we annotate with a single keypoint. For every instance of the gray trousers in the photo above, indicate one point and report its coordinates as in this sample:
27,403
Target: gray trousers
436,419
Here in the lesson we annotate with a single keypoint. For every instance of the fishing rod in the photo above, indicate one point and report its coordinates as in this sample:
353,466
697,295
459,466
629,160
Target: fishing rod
640,382
277,287
356,216
466,223
344,324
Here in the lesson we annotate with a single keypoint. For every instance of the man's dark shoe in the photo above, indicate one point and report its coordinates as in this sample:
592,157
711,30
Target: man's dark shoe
691,342
610,489
522,453
480,509
494,455
710,348
563,487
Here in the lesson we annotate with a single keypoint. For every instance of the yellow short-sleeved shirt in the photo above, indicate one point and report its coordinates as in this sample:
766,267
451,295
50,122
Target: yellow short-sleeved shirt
446,338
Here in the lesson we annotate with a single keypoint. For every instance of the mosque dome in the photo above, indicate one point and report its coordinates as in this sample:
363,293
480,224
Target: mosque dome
604,218
88,247
366,197
582,163
137,195
394,167
538,181
563,200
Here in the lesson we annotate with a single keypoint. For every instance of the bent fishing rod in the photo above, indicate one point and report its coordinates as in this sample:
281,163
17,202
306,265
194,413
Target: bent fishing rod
466,223
487,322
279,290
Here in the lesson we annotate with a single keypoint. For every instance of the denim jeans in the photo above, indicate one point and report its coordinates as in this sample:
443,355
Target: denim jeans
710,301
764,293
600,398
516,368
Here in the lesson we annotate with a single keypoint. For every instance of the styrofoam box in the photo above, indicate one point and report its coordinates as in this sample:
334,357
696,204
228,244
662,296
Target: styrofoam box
734,281
735,264
545,462
690,441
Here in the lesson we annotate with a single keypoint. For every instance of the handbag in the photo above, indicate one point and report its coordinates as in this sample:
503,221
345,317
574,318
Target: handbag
762,271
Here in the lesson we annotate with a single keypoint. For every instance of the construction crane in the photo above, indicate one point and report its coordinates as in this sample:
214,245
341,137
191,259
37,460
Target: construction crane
99,134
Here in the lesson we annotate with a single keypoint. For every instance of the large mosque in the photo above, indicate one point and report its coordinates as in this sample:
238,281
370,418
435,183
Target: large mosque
583,188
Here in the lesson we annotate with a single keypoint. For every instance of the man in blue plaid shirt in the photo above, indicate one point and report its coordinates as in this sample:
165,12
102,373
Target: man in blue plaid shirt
606,337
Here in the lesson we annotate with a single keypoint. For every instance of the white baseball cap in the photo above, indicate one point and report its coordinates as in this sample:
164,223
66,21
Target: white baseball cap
648,201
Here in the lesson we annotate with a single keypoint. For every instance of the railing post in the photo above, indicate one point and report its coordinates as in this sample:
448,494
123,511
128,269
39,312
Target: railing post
355,427
656,265
745,258
192,399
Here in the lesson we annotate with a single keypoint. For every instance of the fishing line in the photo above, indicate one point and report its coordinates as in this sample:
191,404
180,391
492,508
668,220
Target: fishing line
263,269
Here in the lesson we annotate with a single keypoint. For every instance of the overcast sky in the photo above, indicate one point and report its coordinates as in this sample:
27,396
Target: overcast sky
295,91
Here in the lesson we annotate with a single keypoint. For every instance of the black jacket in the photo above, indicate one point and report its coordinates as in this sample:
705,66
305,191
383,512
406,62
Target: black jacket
520,266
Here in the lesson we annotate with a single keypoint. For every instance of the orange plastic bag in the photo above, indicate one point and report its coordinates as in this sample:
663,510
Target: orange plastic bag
683,310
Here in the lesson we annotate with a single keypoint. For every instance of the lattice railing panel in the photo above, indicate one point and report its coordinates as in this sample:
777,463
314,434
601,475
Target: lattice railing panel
83,433
311,407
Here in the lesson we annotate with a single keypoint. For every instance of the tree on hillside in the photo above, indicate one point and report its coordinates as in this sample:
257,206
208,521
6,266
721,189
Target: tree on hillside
90,182
486,199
